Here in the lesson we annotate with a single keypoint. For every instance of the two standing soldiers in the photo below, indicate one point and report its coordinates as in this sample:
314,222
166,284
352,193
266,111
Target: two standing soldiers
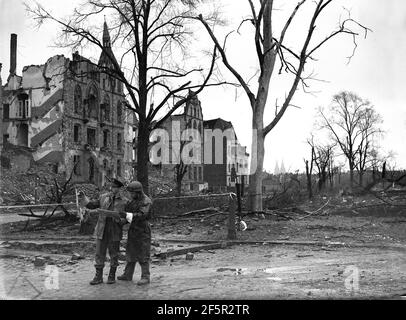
109,231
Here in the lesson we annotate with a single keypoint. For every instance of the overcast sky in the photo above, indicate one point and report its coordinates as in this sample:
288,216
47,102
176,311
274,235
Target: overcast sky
376,72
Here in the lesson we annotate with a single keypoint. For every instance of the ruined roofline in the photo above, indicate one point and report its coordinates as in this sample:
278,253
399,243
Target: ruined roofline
25,68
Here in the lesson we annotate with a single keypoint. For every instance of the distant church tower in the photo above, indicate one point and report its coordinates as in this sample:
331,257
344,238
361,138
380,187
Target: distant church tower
276,170
282,169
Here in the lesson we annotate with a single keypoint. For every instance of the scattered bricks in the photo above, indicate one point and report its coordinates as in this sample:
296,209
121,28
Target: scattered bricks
189,256
190,229
39,262
217,226
210,232
179,232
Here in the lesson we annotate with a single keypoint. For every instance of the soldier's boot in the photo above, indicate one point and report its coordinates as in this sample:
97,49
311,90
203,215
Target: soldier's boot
128,272
98,278
145,275
112,275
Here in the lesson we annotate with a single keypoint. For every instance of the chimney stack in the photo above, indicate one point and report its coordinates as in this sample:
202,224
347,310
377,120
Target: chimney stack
13,53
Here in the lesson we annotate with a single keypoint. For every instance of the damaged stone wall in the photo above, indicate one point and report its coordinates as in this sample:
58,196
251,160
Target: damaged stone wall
66,112
108,154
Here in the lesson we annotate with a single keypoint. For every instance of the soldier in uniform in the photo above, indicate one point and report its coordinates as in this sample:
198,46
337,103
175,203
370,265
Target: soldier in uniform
138,212
108,231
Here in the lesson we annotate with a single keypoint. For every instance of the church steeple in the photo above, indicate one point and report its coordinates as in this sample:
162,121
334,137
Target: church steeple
106,36
107,56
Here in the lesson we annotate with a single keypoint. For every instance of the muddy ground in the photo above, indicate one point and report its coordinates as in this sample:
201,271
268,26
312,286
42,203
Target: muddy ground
353,248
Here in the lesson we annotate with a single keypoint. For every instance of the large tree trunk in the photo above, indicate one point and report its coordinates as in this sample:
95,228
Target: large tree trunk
257,163
361,178
351,177
143,157
179,187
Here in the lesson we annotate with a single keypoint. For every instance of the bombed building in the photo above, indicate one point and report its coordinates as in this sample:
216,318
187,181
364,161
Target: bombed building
69,115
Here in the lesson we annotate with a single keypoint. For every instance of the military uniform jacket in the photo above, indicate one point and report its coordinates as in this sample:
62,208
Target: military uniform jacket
107,227
139,233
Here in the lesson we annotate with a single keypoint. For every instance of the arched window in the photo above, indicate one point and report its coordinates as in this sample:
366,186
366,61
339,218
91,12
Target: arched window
77,100
119,112
106,106
92,101
200,127
194,125
106,138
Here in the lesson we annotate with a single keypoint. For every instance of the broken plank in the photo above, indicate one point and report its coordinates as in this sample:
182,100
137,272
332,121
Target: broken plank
178,252
197,211
31,216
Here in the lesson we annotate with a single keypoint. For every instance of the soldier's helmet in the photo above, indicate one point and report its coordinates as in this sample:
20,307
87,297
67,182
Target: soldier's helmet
134,186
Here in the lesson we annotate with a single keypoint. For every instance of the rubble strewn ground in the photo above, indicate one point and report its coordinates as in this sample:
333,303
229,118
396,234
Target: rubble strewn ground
306,253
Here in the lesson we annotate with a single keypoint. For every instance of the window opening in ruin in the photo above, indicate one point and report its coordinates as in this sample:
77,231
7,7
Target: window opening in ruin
6,112
106,138
91,137
106,109
92,103
119,113
22,111
76,133
113,84
22,135
195,173
77,100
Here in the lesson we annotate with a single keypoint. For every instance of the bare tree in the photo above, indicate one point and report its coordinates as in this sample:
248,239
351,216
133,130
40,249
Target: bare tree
352,123
322,159
369,127
272,49
153,37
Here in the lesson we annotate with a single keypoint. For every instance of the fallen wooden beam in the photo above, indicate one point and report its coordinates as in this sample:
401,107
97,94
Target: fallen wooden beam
197,211
178,252
31,216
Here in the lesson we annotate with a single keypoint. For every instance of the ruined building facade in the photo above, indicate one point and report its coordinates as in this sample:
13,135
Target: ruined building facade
70,115
229,164
217,161
176,126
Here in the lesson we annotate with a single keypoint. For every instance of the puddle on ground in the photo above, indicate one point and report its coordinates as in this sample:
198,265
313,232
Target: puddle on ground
235,271
269,272
274,279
